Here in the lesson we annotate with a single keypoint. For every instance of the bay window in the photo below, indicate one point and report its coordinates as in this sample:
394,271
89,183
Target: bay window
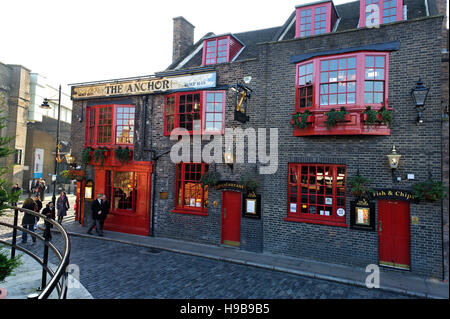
191,197
317,193
196,112
353,80
110,125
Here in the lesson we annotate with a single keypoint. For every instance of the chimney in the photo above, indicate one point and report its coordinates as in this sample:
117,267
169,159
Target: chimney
183,37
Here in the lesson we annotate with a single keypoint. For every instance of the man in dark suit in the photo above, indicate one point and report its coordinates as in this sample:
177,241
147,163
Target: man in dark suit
99,209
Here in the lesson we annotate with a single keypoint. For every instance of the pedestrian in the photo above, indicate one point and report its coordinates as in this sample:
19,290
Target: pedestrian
62,205
37,209
49,212
100,209
14,190
28,219
41,190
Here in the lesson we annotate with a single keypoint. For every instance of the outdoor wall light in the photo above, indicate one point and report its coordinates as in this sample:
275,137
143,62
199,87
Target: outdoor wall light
70,159
243,94
394,159
419,95
228,157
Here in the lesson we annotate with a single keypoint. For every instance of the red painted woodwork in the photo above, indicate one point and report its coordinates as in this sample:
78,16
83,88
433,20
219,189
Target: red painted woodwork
80,202
220,50
132,221
313,25
356,77
310,187
384,11
231,218
394,233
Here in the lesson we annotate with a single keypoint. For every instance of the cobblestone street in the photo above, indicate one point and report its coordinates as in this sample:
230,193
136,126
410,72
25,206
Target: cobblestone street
115,270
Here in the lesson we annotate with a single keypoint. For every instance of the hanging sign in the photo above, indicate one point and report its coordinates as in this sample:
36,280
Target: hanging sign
362,214
144,86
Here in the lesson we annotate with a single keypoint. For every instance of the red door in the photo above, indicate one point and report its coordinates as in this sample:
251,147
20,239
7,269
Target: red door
394,233
231,218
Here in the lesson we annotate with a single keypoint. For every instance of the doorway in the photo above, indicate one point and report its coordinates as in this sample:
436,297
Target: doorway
231,218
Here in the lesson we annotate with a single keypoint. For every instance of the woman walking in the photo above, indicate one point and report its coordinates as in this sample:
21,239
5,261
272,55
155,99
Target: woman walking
62,205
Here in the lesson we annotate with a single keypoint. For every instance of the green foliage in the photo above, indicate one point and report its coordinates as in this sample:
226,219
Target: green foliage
210,179
250,185
122,154
334,117
300,119
358,186
430,190
100,154
372,116
85,156
7,265
385,116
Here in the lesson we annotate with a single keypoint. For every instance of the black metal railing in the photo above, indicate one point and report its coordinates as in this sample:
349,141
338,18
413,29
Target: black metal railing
58,278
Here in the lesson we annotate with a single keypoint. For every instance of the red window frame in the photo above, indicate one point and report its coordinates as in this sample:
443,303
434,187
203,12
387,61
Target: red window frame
305,87
124,119
311,198
303,24
101,131
188,177
382,13
176,110
216,50
359,81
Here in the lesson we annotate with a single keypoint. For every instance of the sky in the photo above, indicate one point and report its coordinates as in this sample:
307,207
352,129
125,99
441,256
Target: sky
71,41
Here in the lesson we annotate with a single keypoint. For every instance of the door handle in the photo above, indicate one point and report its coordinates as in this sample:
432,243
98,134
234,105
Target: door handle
379,226
224,213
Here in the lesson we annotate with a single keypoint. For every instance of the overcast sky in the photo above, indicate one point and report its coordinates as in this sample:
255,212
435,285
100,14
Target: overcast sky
71,41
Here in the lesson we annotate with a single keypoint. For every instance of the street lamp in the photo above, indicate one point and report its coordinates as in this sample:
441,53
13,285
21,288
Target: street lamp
46,106
394,159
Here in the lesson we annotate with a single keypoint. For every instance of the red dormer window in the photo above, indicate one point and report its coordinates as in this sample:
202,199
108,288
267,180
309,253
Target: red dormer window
376,12
315,19
220,50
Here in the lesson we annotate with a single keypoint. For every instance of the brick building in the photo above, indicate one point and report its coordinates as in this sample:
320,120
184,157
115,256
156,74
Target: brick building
278,89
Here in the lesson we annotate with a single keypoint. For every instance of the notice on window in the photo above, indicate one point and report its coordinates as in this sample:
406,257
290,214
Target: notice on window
293,208
192,202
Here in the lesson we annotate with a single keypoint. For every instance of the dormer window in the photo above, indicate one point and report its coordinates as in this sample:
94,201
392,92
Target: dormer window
376,12
220,49
315,19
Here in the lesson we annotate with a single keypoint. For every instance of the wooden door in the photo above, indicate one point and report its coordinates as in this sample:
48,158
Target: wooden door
231,218
394,233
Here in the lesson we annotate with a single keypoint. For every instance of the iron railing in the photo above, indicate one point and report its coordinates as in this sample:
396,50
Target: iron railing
58,278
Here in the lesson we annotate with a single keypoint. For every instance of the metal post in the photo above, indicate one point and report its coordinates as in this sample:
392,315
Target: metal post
57,150
14,238
45,259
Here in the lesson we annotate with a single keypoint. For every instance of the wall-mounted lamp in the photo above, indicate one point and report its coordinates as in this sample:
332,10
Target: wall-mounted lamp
228,158
394,159
419,95
70,159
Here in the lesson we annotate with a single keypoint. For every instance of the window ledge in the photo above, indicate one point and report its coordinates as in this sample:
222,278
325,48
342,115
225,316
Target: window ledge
310,221
189,211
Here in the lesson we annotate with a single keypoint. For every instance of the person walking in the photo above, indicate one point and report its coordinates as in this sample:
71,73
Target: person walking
49,211
62,205
37,209
41,190
100,209
28,219
15,189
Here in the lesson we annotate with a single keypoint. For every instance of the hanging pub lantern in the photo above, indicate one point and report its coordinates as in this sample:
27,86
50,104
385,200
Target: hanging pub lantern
419,95
243,94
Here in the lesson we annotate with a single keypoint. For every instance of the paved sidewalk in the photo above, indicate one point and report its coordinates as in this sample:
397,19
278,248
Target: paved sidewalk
394,282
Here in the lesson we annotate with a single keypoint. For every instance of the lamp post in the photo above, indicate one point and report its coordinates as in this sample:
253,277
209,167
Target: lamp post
46,106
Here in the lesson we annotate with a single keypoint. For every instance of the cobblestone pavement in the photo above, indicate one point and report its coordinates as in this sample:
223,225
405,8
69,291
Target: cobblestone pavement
115,270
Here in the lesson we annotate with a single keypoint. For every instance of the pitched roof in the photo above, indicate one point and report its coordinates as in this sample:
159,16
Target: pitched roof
348,12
